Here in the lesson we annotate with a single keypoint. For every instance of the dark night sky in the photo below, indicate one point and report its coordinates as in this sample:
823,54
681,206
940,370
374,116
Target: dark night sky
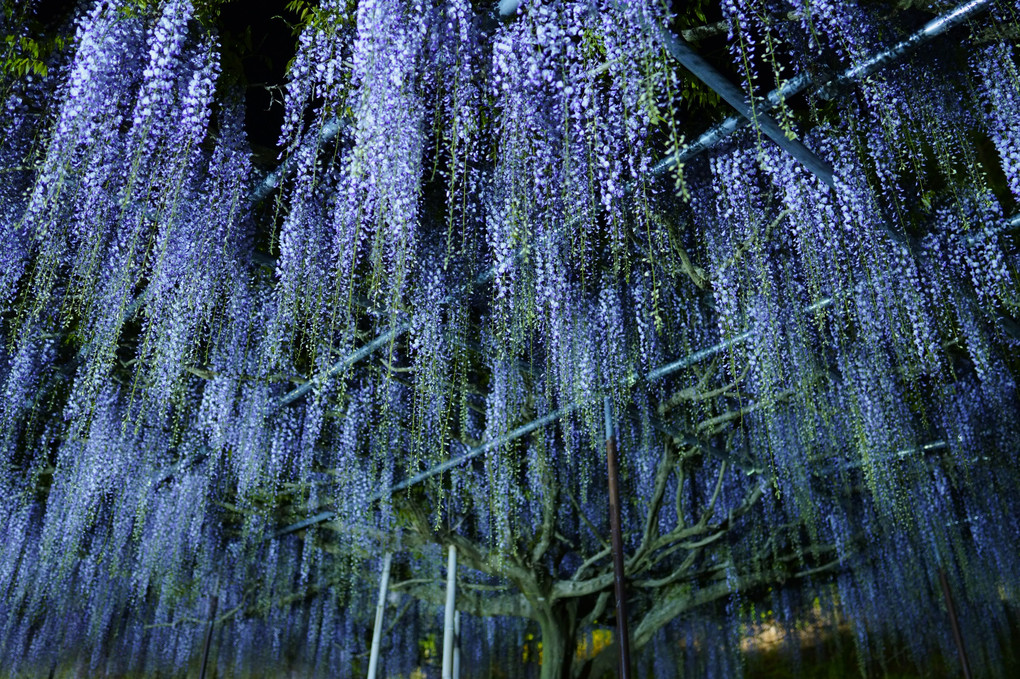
261,39
264,59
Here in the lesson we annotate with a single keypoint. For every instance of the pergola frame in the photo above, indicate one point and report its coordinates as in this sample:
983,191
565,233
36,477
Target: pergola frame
706,141
757,115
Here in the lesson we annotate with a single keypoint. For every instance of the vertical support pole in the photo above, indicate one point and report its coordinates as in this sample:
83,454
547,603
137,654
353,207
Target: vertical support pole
213,604
456,645
954,622
384,582
451,595
622,630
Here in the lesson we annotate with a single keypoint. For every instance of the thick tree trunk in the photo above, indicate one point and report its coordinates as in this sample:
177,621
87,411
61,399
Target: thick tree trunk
558,644
605,664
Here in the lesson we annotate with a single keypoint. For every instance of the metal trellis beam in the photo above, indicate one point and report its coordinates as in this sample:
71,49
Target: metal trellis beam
681,51
328,132
536,424
879,61
802,82
700,68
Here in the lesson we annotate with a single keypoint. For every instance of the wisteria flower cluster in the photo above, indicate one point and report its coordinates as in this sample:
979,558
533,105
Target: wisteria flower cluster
228,390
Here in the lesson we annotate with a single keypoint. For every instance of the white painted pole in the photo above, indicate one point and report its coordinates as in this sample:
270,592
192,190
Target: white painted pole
456,646
448,629
384,581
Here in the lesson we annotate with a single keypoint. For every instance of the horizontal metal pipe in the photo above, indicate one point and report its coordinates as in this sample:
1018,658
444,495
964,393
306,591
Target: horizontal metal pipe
345,362
470,454
698,356
879,61
683,53
1008,224
803,81
534,425
330,130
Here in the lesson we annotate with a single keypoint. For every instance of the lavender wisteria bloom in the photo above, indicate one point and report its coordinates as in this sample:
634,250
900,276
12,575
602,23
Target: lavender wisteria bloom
238,369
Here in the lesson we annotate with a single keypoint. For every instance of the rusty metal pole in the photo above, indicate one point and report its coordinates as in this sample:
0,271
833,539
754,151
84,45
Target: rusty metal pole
954,623
209,634
617,535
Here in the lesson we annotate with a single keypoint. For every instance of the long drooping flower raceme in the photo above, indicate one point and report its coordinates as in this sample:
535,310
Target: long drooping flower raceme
460,252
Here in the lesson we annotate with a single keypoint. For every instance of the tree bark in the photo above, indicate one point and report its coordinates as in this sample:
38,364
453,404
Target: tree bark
559,641
604,664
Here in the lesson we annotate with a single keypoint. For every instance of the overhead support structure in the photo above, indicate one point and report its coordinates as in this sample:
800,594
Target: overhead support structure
536,424
659,373
654,375
706,141
686,56
871,65
328,132
690,60
802,82
680,50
